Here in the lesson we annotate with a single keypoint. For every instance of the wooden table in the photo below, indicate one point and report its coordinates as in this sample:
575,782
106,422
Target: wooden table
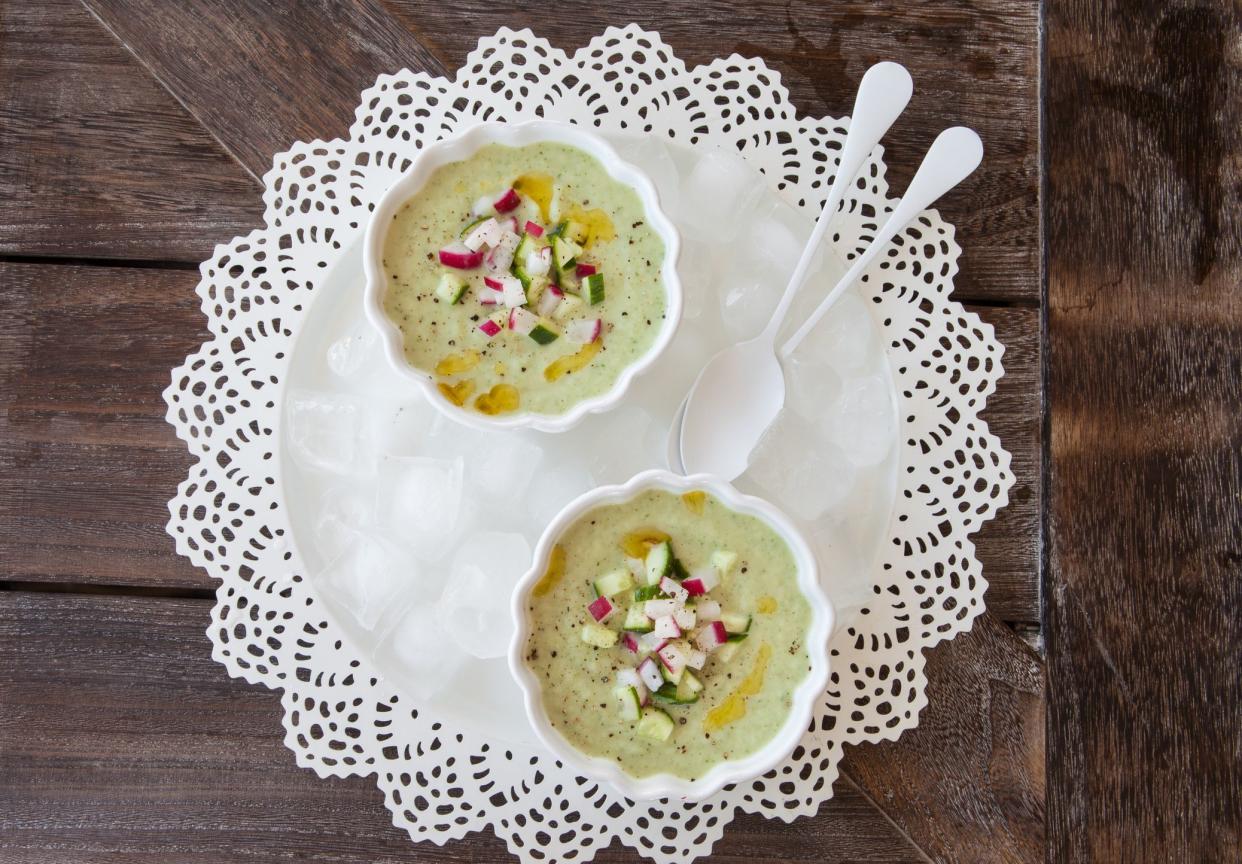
1097,719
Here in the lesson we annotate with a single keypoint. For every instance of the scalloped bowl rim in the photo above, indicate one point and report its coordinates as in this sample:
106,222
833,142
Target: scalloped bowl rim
462,146
805,697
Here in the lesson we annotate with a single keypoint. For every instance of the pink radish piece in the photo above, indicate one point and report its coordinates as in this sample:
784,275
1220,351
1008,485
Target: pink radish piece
508,201
707,610
482,206
602,608
685,618
493,282
490,328
460,256
539,261
673,658
584,270
512,293
584,332
651,643
501,256
548,301
711,637
631,678
488,233
630,642
650,673
489,297
534,229
673,589
701,581
659,608
522,320
695,659
666,627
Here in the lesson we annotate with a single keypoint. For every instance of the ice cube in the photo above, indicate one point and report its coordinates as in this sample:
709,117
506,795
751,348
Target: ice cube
372,577
845,338
428,657
747,301
811,389
352,351
323,430
773,248
499,464
698,267
863,423
799,470
419,502
719,190
400,428
475,605
555,488
343,515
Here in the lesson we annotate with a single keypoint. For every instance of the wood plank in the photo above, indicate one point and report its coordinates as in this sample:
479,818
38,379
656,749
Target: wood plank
120,740
97,160
1144,600
968,783
87,462
974,63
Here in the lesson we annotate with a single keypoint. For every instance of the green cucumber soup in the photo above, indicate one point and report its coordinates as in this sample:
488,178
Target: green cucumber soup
668,634
524,279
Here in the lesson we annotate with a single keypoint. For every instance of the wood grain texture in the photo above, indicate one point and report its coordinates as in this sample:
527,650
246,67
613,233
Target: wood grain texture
120,740
87,463
1144,599
97,160
278,76
968,783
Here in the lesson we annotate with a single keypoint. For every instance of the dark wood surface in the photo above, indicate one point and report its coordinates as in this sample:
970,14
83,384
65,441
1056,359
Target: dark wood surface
1144,596
132,134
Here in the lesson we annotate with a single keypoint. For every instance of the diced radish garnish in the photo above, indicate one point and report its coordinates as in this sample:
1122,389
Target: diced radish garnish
522,320
631,678
649,671
501,256
584,331
601,608
651,643
701,581
539,261
630,642
666,627
711,637
489,297
490,327
460,256
508,201
488,233
512,294
493,283
534,229
695,658
482,206
637,565
659,608
673,589
706,610
584,270
685,618
549,300
673,658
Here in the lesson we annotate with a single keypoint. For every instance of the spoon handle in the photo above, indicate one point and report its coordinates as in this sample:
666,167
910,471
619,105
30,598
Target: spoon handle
954,154
882,95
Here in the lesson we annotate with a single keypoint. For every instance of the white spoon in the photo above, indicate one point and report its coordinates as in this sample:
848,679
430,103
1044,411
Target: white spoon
883,94
742,389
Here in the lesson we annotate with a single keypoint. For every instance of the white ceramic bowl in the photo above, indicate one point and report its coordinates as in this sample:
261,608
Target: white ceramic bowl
805,696
458,148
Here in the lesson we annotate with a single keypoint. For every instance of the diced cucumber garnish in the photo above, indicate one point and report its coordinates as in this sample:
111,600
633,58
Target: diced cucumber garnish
725,652
655,724
679,570
613,583
735,622
450,288
598,636
689,688
736,637
723,561
646,592
659,562
669,676
631,705
676,694
566,308
564,252
518,268
575,231
636,620
543,334
592,289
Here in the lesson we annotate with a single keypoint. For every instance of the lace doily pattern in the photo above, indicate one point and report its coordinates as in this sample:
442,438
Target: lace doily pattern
225,403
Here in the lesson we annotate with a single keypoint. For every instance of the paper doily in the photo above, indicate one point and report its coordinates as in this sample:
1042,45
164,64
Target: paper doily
225,403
